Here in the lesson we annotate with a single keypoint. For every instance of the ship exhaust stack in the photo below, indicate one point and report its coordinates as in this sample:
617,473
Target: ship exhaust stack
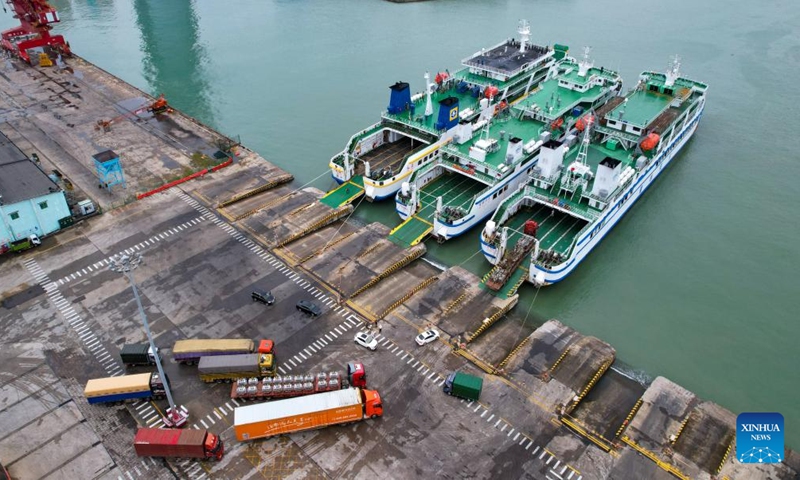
607,178
514,151
400,100
448,114
551,158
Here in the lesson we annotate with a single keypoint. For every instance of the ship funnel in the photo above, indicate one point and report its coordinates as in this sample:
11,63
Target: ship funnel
404,189
514,151
400,99
448,114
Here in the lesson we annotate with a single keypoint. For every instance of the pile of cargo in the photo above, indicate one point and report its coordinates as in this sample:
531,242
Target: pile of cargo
287,386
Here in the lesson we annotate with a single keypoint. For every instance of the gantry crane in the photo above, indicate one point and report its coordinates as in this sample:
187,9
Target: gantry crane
35,18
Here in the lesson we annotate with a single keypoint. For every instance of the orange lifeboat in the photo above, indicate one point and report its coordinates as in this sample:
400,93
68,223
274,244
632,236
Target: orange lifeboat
490,92
441,77
557,124
649,142
583,122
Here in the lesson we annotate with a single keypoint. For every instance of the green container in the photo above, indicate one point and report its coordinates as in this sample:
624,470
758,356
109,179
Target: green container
612,144
465,386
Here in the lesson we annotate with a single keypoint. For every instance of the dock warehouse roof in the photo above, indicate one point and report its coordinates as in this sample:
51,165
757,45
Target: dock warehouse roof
20,178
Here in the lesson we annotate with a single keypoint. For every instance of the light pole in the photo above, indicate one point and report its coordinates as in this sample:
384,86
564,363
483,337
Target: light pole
126,264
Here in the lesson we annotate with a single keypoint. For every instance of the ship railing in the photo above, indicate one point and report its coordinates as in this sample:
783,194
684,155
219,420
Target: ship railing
490,175
351,144
473,172
409,122
567,206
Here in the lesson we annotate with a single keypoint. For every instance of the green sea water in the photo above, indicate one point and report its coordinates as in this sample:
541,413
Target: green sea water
697,283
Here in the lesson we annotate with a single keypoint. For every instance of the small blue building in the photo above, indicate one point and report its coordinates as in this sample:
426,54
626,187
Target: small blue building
30,202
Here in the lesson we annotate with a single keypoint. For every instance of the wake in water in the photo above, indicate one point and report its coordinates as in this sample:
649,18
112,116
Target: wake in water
638,376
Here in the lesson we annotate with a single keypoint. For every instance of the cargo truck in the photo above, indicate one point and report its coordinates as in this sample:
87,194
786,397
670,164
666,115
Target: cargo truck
191,351
188,443
297,385
464,386
305,413
226,368
136,354
124,387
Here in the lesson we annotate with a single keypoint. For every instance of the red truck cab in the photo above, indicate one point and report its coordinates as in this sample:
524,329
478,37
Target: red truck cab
214,447
356,375
266,346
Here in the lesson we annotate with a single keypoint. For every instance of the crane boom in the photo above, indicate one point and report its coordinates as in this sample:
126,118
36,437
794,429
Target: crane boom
35,18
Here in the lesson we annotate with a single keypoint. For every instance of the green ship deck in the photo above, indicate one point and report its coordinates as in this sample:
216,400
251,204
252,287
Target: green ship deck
455,190
557,230
641,108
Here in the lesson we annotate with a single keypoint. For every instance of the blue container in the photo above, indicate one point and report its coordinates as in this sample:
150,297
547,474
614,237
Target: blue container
577,111
462,87
476,91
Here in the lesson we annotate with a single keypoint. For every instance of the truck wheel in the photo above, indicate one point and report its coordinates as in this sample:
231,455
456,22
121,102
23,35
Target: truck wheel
373,416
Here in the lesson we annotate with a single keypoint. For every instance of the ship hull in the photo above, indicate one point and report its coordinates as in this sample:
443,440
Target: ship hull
547,276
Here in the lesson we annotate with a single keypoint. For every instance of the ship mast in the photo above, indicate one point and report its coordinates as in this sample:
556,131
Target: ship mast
673,71
428,104
524,31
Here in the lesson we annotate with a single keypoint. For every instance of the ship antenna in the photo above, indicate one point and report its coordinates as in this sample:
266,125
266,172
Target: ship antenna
428,106
524,31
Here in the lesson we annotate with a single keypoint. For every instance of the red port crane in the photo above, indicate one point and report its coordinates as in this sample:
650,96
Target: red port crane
35,17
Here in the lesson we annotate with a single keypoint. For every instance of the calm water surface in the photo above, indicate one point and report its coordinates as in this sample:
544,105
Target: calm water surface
699,281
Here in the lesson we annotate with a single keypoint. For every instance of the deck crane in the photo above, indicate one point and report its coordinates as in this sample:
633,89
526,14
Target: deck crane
35,17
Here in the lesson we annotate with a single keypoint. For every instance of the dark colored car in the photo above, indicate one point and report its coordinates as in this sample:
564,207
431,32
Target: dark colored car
263,296
309,308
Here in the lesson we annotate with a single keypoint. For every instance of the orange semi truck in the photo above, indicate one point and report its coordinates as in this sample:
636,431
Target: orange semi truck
306,413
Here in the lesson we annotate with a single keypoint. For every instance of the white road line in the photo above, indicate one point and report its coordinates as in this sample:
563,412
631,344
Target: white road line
280,369
204,424
535,450
385,342
218,415
571,474
336,329
516,436
234,402
477,408
530,442
431,375
298,360
410,360
510,432
549,460
329,338
421,366
292,362
484,413
542,454
498,423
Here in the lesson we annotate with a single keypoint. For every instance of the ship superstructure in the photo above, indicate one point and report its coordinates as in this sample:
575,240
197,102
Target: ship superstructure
415,126
478,164
579,189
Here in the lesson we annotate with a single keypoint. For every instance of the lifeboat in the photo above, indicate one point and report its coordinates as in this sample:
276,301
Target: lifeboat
583,122
557,124
649,142
441,77
490,92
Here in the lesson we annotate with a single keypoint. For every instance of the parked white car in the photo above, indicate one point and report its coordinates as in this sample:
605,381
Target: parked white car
366,340
427,337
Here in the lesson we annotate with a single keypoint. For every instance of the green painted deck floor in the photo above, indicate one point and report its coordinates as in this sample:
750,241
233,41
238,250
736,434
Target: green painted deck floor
556,232
455,190
641,107
344,193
